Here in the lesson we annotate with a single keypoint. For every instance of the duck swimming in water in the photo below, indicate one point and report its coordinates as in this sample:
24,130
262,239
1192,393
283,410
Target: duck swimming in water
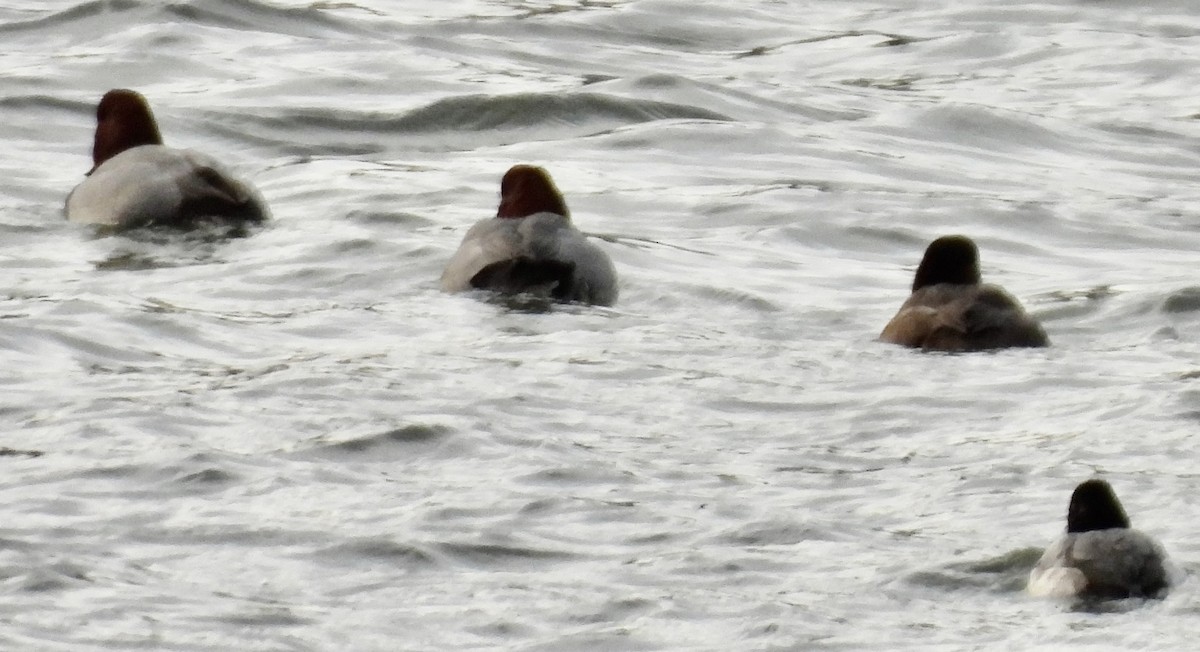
950,309
137,181
1100,556
531,247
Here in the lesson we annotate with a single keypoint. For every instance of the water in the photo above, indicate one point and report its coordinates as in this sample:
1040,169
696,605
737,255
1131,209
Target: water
293,441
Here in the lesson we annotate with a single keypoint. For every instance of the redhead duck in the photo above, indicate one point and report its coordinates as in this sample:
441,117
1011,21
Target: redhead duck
531,247
138,181
951,310
1100,556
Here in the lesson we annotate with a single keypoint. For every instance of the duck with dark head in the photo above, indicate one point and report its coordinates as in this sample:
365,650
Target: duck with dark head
951,309
1101,556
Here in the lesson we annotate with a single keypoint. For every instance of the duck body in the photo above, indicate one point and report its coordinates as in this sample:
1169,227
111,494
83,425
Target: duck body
156,184
950,309
531,247
137,181
1113,563
541,254
963,317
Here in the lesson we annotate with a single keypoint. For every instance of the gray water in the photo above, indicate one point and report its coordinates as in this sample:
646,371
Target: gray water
294,441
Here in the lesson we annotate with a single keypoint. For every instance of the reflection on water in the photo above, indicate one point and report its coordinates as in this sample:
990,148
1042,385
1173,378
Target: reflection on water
155,247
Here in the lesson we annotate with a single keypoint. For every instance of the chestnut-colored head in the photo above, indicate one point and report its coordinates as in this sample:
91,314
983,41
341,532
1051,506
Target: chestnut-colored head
949,259
123,121
1094,506
527,189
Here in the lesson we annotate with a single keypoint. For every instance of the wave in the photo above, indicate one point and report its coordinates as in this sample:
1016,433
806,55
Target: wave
461,122
109,16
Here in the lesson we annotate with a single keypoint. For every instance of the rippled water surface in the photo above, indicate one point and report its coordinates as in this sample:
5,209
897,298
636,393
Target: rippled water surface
294,441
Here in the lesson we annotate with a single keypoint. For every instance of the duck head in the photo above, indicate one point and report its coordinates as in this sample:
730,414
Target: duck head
123,121
949,259
1094,506
528,189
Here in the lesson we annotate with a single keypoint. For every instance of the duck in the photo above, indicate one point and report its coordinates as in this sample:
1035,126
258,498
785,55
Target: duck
137,181
1101,557
531,247
951,309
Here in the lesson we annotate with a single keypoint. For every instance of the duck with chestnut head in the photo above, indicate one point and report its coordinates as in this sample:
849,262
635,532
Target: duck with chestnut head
531,247
137,181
